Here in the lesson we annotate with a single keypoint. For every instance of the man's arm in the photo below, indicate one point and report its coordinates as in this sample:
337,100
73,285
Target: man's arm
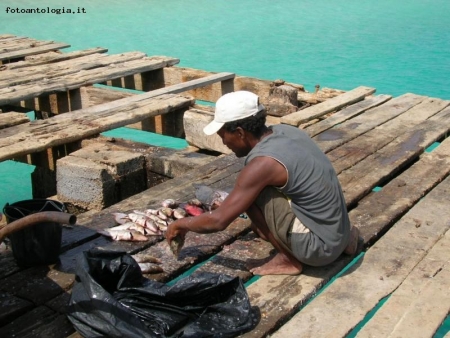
259,173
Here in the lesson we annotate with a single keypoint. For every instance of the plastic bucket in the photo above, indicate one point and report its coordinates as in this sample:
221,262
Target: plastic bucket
39,243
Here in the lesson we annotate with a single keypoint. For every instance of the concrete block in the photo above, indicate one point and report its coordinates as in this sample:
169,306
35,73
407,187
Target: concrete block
97,176
84,183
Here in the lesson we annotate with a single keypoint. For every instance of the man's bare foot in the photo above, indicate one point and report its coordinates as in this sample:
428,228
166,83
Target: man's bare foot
278,265
352,245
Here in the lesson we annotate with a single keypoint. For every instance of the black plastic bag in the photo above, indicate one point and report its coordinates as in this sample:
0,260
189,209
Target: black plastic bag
111,298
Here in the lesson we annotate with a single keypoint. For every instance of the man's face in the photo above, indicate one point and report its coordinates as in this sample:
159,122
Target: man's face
235,141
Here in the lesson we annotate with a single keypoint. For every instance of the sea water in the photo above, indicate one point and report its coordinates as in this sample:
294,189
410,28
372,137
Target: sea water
395,46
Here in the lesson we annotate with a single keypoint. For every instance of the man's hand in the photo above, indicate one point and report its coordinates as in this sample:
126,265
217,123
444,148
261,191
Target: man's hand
173,230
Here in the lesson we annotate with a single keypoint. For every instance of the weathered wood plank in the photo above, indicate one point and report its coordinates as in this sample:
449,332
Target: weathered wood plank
379,167
348,130
42,134
22,44
96,96
376,212
328,106
346,114
11,119
52,57
73,81
126,111
383,268
12,307
14,40
31,51
40,322
362,146
19,76
194,121
423,297
7,36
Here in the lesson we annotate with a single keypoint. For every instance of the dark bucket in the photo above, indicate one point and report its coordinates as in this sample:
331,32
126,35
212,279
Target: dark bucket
38,244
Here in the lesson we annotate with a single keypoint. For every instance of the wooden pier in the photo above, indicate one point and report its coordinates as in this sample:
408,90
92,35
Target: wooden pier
392,156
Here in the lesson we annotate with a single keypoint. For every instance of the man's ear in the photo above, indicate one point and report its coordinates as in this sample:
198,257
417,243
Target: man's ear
240,132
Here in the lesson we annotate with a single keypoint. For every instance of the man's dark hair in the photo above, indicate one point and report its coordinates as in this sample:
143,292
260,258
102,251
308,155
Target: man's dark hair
253,124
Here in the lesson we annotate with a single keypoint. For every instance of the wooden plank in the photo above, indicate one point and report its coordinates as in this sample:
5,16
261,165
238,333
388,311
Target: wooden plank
350,153
379,210
31,51
40,322
193,84
11,119
12,307
383,268
348,130
194,121
379,167
43,134
73,81
22,44
328,106
127,101
37,285
423,297
346,114
17,40
19,76
52,57
7,36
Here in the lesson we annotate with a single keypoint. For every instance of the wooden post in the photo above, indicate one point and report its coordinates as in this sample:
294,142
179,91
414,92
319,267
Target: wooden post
75,99
152,80
227,86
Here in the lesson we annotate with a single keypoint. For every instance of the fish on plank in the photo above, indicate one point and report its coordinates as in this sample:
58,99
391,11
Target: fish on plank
124,235
150,268
145,258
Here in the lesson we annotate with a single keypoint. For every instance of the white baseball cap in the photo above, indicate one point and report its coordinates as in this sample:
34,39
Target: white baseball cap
232,107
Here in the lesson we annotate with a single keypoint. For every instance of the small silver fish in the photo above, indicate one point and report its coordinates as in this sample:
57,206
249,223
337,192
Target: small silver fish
120,217
165,211
179,213
149,212
150,268
124,235
196,202
145,258
124,226
169,203
152,226
138,218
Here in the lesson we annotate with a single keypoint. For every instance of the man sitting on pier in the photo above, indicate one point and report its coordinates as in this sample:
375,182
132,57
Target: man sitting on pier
288,188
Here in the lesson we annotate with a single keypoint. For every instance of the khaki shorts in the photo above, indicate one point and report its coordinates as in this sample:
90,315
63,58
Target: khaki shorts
290,232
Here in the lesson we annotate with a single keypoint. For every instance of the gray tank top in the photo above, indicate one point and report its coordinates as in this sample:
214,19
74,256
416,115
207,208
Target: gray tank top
312,186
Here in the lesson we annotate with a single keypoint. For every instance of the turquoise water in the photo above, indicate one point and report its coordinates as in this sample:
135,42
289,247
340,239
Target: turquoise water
396,47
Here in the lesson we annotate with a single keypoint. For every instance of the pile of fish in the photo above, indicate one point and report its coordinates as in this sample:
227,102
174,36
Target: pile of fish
139,224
